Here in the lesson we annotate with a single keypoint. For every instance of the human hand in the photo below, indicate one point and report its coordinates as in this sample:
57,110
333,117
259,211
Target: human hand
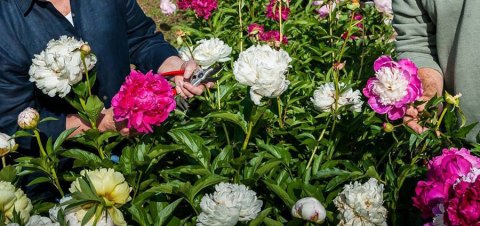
106,122
432,83
183,87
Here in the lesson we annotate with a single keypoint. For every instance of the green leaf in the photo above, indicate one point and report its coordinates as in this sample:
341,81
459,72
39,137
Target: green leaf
48,119
261,216
280,192
22,133
82,156
165,213
8,174
330,172
90,213
267,167
234,118
271,222
94,107
38,180
194,145
203,183
61,138
139,215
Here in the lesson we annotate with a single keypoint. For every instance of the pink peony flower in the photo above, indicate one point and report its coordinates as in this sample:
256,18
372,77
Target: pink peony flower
451,165
167,7
202,8
254,29
463,205
144,101
273,10
325,10
428,195
395,85
273,37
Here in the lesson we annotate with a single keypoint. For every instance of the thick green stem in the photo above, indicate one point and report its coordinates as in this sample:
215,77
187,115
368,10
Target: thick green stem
439,123
240,20
56,181
280,21
86,75
43,154
316,146
280,117
4,162
101,153
247,137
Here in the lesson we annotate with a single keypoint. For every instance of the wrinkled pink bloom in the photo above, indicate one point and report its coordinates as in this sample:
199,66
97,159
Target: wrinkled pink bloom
254,29
325,10
428,195
144,101
184,4
202,8
167,7
452,164
463,205
273,10
273,37
394,87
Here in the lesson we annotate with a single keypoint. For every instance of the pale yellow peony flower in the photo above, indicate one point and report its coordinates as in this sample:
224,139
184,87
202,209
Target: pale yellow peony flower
14,199
108,184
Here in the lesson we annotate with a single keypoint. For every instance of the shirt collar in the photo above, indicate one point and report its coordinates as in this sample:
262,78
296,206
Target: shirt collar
24,5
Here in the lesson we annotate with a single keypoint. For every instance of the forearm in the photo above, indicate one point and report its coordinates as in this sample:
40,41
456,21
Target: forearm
432,82
171,63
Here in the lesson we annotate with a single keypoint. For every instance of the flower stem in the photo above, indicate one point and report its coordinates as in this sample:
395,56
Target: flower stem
43,154
280,118
441,117
101,153
280,21
240,4
4,162
316,146
57,182
86,74
247,137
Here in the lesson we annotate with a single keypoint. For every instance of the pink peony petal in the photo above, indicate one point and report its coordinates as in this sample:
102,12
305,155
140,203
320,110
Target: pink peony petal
409,66
377,106
383,61
397,113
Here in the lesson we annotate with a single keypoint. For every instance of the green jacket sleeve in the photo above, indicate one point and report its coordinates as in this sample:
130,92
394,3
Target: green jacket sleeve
416,37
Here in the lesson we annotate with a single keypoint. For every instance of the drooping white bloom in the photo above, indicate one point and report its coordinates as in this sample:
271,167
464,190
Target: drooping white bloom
37,220
75,216
324,98
28,118
229,204
7,144
14,199
263,69
361,204
391,85
59,66
210,51
167,7
384,6
309,209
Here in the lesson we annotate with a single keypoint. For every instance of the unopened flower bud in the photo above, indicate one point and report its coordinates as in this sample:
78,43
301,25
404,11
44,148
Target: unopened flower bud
28,118
453,100
86,49
388,127
7,144
309,209
339,66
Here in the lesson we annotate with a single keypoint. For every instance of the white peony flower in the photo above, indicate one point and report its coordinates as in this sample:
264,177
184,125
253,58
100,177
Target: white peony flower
7,144
361,204
185,53
391,85
28,118
167,7
384,6
75,216
263,69
324,98
229,204
211,51
309,209
59,66
37,220
14,199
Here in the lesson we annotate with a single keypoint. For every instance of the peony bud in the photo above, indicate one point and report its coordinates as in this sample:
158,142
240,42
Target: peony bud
309,209
7,144
388,127
453,100
85,49
28,118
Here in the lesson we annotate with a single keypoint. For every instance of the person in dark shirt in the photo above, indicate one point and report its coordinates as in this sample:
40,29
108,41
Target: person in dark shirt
119,34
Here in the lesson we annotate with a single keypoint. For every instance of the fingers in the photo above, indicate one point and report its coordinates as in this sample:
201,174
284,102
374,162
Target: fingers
197,90
411,120
189,67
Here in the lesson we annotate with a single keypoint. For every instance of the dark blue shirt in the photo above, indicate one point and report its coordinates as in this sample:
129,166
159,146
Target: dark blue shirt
118,31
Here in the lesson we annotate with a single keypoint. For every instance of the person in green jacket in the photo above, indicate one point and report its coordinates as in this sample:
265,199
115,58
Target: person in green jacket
441,37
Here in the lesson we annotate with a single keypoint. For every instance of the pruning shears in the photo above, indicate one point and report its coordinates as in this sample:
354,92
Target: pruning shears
200,76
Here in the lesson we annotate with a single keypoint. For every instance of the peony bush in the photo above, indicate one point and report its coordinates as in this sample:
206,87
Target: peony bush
303,127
